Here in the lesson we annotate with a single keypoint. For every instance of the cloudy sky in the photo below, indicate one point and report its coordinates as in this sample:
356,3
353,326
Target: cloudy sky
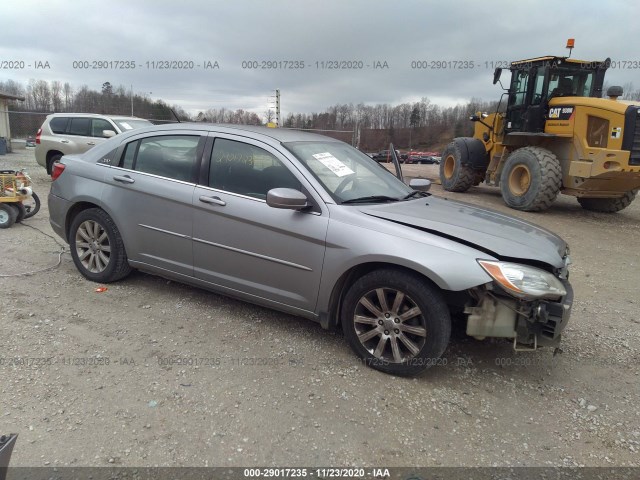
366,33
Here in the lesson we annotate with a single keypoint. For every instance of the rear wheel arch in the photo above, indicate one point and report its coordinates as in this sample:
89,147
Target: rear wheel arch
52,157
73,212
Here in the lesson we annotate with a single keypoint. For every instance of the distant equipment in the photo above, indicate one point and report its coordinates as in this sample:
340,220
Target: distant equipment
556,135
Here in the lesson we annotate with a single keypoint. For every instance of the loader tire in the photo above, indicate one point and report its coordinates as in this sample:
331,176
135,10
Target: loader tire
608,205
455,174
531,179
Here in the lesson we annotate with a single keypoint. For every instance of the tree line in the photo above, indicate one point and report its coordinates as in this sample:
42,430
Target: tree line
418,125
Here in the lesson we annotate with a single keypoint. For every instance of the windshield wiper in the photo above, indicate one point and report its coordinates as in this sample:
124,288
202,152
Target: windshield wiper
372,198
416,193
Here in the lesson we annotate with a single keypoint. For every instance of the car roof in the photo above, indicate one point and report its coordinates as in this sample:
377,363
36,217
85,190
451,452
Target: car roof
283,135
93,115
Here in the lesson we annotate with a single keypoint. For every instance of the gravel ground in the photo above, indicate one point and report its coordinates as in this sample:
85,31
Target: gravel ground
272,389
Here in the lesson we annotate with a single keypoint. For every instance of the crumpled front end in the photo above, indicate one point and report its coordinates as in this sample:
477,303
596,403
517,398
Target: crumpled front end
531,323
531,312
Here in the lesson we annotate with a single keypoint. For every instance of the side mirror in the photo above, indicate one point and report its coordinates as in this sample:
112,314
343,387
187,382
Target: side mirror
496,75
286,198
420,184
108,133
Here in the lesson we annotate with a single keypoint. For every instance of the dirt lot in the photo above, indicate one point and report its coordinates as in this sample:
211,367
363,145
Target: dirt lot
93,378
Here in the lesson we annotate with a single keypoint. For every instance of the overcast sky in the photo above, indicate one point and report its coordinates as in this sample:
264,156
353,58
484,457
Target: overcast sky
396,32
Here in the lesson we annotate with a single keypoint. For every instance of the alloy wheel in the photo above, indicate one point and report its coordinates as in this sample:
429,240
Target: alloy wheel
390,325
92,246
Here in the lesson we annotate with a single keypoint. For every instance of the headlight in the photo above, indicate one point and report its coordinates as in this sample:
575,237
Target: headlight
523,281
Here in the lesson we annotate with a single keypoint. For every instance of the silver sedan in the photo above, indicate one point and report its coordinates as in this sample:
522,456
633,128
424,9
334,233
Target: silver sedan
311,226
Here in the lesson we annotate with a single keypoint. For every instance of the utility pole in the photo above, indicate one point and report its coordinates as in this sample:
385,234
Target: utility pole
275,124
277,107
131,100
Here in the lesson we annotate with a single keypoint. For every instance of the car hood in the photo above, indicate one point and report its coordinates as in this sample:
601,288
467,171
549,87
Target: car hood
493,232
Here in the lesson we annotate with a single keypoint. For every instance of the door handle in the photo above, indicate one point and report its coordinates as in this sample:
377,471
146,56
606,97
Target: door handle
124,179
64,141
90,143
213,200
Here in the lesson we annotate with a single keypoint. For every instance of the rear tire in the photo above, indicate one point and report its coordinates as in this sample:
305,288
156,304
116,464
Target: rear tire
454,176
97,248
54,159
608,205
22,212
531,179
8,215
396,322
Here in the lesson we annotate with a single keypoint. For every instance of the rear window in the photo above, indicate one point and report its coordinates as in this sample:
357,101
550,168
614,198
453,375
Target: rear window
58,124
170,156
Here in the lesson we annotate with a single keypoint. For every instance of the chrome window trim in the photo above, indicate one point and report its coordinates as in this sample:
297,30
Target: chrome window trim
138,172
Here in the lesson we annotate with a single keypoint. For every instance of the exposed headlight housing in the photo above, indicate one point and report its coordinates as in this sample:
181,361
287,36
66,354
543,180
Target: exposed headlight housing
523,281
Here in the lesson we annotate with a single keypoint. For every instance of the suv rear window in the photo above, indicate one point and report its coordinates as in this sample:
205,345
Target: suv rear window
59,124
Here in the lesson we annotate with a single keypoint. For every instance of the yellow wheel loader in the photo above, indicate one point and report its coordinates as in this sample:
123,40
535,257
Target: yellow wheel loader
556,135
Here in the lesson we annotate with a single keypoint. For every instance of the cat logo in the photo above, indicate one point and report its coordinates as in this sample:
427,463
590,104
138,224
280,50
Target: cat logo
560,113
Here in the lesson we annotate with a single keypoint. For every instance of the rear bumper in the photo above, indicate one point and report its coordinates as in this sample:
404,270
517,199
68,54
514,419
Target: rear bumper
58,210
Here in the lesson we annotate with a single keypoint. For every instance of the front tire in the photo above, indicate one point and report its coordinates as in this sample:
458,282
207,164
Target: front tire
455,175
608,205
97,248
531,179
8,215
396,322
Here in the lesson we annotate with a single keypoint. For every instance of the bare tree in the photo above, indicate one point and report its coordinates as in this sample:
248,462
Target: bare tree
68,96
56,95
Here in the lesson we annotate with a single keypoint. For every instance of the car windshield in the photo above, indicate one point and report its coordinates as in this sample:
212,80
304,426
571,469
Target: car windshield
126,124
348,174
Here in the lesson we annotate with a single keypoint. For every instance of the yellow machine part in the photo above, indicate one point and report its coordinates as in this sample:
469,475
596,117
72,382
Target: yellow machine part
588,134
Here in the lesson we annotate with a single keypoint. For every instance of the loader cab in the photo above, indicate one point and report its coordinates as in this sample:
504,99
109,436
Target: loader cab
535,82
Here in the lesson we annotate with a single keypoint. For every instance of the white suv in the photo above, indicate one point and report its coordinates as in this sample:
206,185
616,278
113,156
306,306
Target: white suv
72,133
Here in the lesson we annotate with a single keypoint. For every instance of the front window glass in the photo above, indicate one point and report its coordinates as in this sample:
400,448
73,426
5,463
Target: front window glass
538,88
520,88
242,168
346,173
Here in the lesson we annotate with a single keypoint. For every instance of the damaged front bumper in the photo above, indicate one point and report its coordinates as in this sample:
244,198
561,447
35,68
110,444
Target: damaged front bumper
531,323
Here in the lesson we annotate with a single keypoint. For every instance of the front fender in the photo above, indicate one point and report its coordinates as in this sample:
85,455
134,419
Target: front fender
448,264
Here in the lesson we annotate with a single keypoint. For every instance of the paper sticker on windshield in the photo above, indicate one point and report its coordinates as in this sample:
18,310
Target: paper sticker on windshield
126,125
333,164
